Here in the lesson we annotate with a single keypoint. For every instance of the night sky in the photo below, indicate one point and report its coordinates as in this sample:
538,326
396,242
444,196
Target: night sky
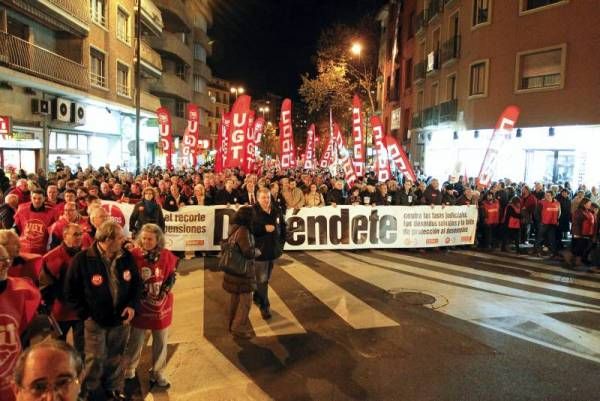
265,45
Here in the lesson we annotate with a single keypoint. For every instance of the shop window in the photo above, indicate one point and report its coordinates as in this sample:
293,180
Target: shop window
541,69
97,68
61,141
52,142
123,26
72,141
528,5
122,79
82,142
478,78
98,11
481,12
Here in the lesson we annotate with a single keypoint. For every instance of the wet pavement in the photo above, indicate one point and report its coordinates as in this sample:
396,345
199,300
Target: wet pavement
390,325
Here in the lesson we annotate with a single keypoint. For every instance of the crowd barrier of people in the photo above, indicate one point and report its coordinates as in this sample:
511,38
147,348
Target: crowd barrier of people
66,263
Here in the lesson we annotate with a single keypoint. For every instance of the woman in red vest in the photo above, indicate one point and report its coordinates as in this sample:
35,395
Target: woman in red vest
583,230
156,266
490,217
512,224
549,210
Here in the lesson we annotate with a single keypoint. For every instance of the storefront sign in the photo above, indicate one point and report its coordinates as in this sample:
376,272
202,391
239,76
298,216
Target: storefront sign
396,118
5,127
201,228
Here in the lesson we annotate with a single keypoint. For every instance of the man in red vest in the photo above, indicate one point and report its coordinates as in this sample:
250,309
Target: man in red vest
490,216
549,213
70,215
32,223
19,300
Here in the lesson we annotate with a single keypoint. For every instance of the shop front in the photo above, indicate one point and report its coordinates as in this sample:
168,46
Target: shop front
21,148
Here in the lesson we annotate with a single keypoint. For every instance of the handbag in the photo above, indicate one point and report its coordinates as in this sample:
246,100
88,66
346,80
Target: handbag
231,259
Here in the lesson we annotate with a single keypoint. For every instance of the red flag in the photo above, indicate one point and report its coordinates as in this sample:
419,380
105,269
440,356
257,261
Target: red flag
357,135
382,165
327,156
190,136
506,122
166,134
344,155
249,145
397,154
259,126
309,157
236,140
286,136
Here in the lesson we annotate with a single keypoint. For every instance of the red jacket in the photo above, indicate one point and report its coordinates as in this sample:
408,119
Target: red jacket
549,211
26,265
57,229
528,205
154,312
54,270
491,212
33,226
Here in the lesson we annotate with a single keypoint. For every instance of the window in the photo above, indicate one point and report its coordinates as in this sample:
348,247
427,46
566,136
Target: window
72,140
184,38
408,73
481,12
199,84
122,79
123,25
82,142
97,68
541,69
451,87
180,70
478,78
180,109
420,96
98,11
61,141
435,94
199,52
528,5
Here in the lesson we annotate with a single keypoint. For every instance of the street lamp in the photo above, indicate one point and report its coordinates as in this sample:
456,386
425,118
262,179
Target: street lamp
356,49
237,91
263,110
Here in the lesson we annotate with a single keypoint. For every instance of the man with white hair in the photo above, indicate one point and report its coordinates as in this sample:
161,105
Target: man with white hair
8,210
22,191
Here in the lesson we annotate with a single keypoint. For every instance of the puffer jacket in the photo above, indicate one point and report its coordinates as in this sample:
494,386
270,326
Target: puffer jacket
235,284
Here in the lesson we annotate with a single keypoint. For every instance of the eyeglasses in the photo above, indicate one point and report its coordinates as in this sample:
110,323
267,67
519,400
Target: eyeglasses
61,386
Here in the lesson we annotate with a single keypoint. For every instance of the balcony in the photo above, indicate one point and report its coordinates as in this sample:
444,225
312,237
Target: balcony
447,2
171,46
149,102
448,111
203,69
451,50
201,37
174,15
151,18
419,72
71,15
203,101
170,85
434,9
417,120
431,116
26,57
420,23
151,62
433,62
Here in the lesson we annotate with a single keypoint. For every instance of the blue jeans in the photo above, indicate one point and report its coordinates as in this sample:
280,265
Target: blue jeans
263,270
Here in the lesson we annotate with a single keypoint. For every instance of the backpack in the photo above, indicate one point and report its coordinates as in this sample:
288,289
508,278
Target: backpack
231,259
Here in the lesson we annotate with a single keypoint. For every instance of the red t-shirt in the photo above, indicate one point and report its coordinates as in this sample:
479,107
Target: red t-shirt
34,228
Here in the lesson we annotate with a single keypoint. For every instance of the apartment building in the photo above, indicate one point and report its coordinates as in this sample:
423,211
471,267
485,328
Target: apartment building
219,92
475,57
67,79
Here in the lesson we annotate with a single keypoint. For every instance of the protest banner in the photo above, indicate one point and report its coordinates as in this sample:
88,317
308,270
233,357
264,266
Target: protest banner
201,228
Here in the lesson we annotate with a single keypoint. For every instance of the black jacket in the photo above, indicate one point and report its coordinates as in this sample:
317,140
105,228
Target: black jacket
172,205
142,215
223,197
335,196
401,198
432,196
269,244
87,288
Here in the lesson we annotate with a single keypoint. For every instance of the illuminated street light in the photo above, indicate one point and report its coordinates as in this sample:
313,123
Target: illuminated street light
263,110
356,49
237,91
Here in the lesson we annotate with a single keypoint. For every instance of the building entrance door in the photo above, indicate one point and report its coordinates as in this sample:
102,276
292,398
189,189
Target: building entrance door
549,166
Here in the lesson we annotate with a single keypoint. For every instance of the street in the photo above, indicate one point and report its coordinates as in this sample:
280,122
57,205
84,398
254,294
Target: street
391,325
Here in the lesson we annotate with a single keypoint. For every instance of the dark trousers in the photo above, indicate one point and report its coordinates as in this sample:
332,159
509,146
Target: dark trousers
581,246
546,233
78,336
511,235
263,270
104,347
490,236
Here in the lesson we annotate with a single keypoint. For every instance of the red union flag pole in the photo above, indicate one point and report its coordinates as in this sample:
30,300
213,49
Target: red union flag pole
382,165
236,138
309,162
166,135
344,156
506,122
286,136
397,154
358,136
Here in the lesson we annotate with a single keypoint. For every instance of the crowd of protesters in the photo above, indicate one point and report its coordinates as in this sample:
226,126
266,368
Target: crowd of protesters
62,256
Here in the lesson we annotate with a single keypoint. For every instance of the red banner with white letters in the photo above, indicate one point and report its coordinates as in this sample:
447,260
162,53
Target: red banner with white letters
190,136
382,165
287,149
327,156
504,126
222,136
165,129
358,137
344,156
236,138
309,156
398,155
259,127
249,145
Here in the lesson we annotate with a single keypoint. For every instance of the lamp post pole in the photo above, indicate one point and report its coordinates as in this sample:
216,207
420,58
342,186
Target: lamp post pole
138,22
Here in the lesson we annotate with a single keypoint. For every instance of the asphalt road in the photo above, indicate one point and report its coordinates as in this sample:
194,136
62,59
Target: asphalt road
391,325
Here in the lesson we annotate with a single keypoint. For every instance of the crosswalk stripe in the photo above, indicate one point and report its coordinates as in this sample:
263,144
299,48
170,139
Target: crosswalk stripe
282,322
351,309
520,261
471,304
483,273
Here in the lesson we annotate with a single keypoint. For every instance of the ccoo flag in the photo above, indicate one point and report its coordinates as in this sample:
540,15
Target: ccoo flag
382,165
286,136
358,136
397,154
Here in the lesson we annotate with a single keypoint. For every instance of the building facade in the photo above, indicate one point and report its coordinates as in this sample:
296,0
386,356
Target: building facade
67,73
472,58
219,92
